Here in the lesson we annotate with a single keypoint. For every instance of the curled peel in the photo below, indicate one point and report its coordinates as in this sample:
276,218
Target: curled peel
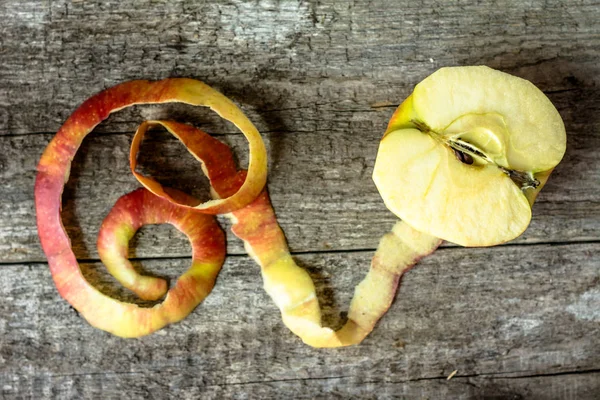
239,194
54,165
292,289
141,207
290,286
125,319
130,213
216,161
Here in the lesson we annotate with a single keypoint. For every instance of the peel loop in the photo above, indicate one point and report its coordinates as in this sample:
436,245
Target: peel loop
120,318
55,163
130,212
290,286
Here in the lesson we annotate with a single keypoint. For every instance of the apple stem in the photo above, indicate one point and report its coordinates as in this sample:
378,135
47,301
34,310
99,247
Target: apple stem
523,179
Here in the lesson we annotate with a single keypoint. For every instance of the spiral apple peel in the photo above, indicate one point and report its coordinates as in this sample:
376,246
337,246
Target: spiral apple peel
125,319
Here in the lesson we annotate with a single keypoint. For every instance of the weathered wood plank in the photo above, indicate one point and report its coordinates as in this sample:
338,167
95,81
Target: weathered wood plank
311,96
289,55
188,385
513,311
319,79
320,184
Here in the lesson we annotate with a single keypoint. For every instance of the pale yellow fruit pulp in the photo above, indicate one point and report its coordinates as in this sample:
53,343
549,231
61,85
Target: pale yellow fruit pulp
422,181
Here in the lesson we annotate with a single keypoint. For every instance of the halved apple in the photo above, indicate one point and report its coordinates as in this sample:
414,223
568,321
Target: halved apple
465,155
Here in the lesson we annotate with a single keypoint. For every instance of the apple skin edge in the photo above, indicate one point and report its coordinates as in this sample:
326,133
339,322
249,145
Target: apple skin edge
402,118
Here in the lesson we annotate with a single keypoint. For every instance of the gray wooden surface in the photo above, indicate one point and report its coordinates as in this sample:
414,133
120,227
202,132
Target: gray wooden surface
320,79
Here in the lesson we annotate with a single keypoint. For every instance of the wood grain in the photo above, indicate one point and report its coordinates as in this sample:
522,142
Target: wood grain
319,79
320,186
280,55
500,312
153,384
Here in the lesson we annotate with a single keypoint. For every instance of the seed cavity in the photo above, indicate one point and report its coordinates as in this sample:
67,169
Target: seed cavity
466,152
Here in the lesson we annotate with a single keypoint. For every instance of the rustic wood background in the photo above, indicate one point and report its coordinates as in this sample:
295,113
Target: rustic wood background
320,79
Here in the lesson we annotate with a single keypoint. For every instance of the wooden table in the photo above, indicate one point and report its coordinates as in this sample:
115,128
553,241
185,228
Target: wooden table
319,79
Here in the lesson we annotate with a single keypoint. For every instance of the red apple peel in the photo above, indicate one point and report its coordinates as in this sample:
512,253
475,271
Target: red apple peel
125,319
141,207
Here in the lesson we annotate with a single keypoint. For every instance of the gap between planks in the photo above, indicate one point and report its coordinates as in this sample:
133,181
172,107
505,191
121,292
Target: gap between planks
491,376
447,246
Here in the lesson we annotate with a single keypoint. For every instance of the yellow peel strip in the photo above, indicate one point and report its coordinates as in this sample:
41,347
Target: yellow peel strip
290,286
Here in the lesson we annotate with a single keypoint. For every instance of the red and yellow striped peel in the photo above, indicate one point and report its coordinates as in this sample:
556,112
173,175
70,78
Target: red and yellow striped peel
53,171
290,286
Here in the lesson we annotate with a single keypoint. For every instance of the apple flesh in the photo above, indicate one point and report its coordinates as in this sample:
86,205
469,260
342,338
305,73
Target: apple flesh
465,155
